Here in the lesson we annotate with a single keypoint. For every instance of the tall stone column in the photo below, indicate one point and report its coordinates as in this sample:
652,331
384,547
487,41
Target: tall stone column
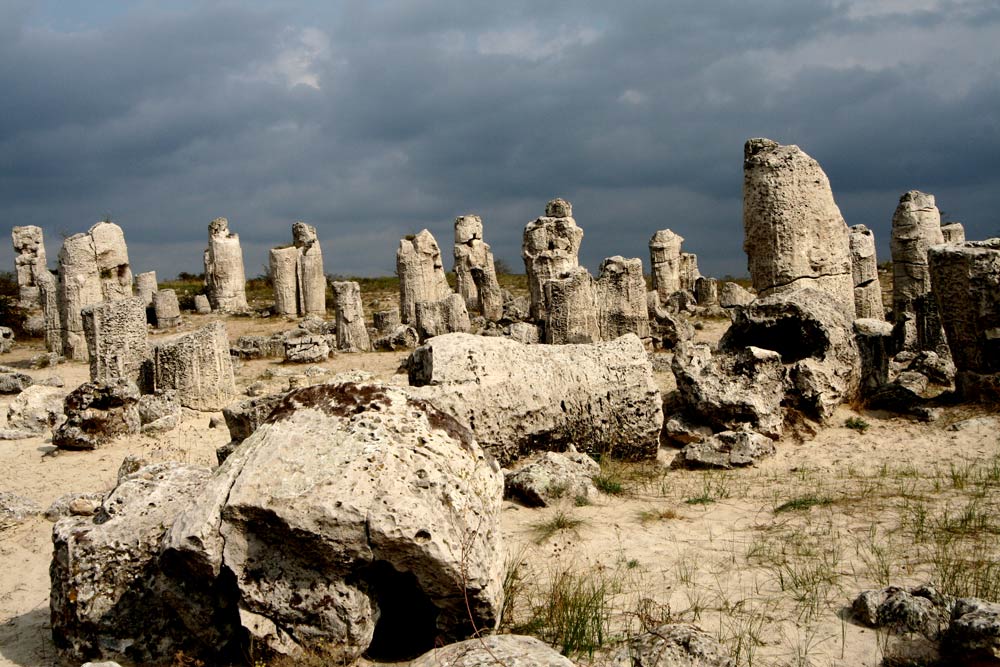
30,262
916,226
421,274
352,334
224,274
620,298
475,273
665,260
146,286
284,279
864,270
312,280
549,248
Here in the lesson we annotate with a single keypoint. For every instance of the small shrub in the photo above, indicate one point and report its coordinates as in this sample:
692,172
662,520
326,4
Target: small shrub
802,503
559,522
609,485
857,424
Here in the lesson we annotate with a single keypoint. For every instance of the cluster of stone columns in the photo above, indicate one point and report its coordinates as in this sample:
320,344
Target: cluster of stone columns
297,274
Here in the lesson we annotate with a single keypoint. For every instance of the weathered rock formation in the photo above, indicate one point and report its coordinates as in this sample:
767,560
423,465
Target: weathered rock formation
966,281
435,318
284,279
297,274
795,236
202,306
550,476
48,294
421,274
521,398
689,273
570,309
96,412
706,291
224,275
493,650
864,269
620,298
916,226
146,286
167,309
953,232
198,366
116,339
352,334
30,262
732,295
93,267
475,275
550,250
665,259
302,347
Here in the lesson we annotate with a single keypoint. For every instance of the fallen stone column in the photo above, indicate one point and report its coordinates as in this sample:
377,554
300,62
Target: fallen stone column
550,248
198,365
620,298
571,309
520,398
116,339
352,334
224,274
421,274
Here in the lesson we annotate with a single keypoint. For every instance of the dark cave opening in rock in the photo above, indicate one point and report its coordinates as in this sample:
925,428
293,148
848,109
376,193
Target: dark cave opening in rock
793,338
407,624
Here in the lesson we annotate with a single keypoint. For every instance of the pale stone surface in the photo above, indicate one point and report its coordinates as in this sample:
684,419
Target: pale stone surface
198,366
352,334
146,286
30,262
36,409
620,298
96,412
570,308
6,339
732,295
403,337
795,235
966,279
284,279
672,645
518,398
330,517
309,269
117,342
202,305
167,309
725,450
665,259
224,274
421,274
106,597
111,255
550,249
302,347
13,381
434,318
953,232
386,321
550,476
689,273
916,226
864,270
668,329
523,332
706,291
48,294
475,274
493,650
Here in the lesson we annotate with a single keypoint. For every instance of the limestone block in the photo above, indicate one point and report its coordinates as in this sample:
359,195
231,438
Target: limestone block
146,286
953,232
284,278
224,274
168,310
202,305
864,271
352,334
665,259
620,298
435,318
421,274
916,226
309,269
550,249
571,309
117,343
29,262
689,271
706,291
198,366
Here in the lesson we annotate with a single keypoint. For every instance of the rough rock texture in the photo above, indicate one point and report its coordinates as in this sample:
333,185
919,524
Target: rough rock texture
974,632
243,417
259,347
938,370
93,267
202,306
549,476
284,279
6,340
309,269
36,409
620,298
198,366
953,232
106,597
922,610
74,504
96,412
386,321
689,273
159,412
816,342
570,312
875,348
523,332
302,347
725,450
352,334
493,650
13,381
29,244
117,343
421,274
401,338
14,509
665,260
795,235
550,248
916,226
667,329
167,309
672,645
435,318
146,286
732,295
864,269
706,291
521,398
358,517
475,274
966,279
224,275
48,294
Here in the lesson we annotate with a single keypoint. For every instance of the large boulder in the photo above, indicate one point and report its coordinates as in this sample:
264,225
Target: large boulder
356,517
36,409
552,476
672,645
13,381
96,412
507,650
198,366
520,398
105,595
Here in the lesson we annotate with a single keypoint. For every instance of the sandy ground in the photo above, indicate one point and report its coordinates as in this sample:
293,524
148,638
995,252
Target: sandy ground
696,546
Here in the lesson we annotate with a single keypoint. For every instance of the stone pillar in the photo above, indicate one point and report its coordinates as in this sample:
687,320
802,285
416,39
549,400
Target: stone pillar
475,274
689,273
198,366
620,297
421,274
309,269
201,304
665,259
864,271
79,286
146,286
30,262
953,232
111,255
549,248
116,338
284,279
706,291
916,226
436,318
352,334
386,321
795,235
732,295
224,275
875,348
168,310
570,308
48,291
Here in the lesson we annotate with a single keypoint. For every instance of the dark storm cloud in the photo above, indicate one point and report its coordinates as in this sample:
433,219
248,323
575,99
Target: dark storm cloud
374,119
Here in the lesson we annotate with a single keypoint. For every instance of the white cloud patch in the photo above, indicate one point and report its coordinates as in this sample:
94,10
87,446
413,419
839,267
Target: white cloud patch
530,43
297,62
633,97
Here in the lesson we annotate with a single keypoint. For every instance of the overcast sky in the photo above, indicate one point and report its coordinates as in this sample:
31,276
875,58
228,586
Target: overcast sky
375,119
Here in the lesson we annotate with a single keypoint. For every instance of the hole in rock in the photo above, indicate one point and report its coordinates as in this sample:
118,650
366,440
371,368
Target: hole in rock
407,623
793,339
